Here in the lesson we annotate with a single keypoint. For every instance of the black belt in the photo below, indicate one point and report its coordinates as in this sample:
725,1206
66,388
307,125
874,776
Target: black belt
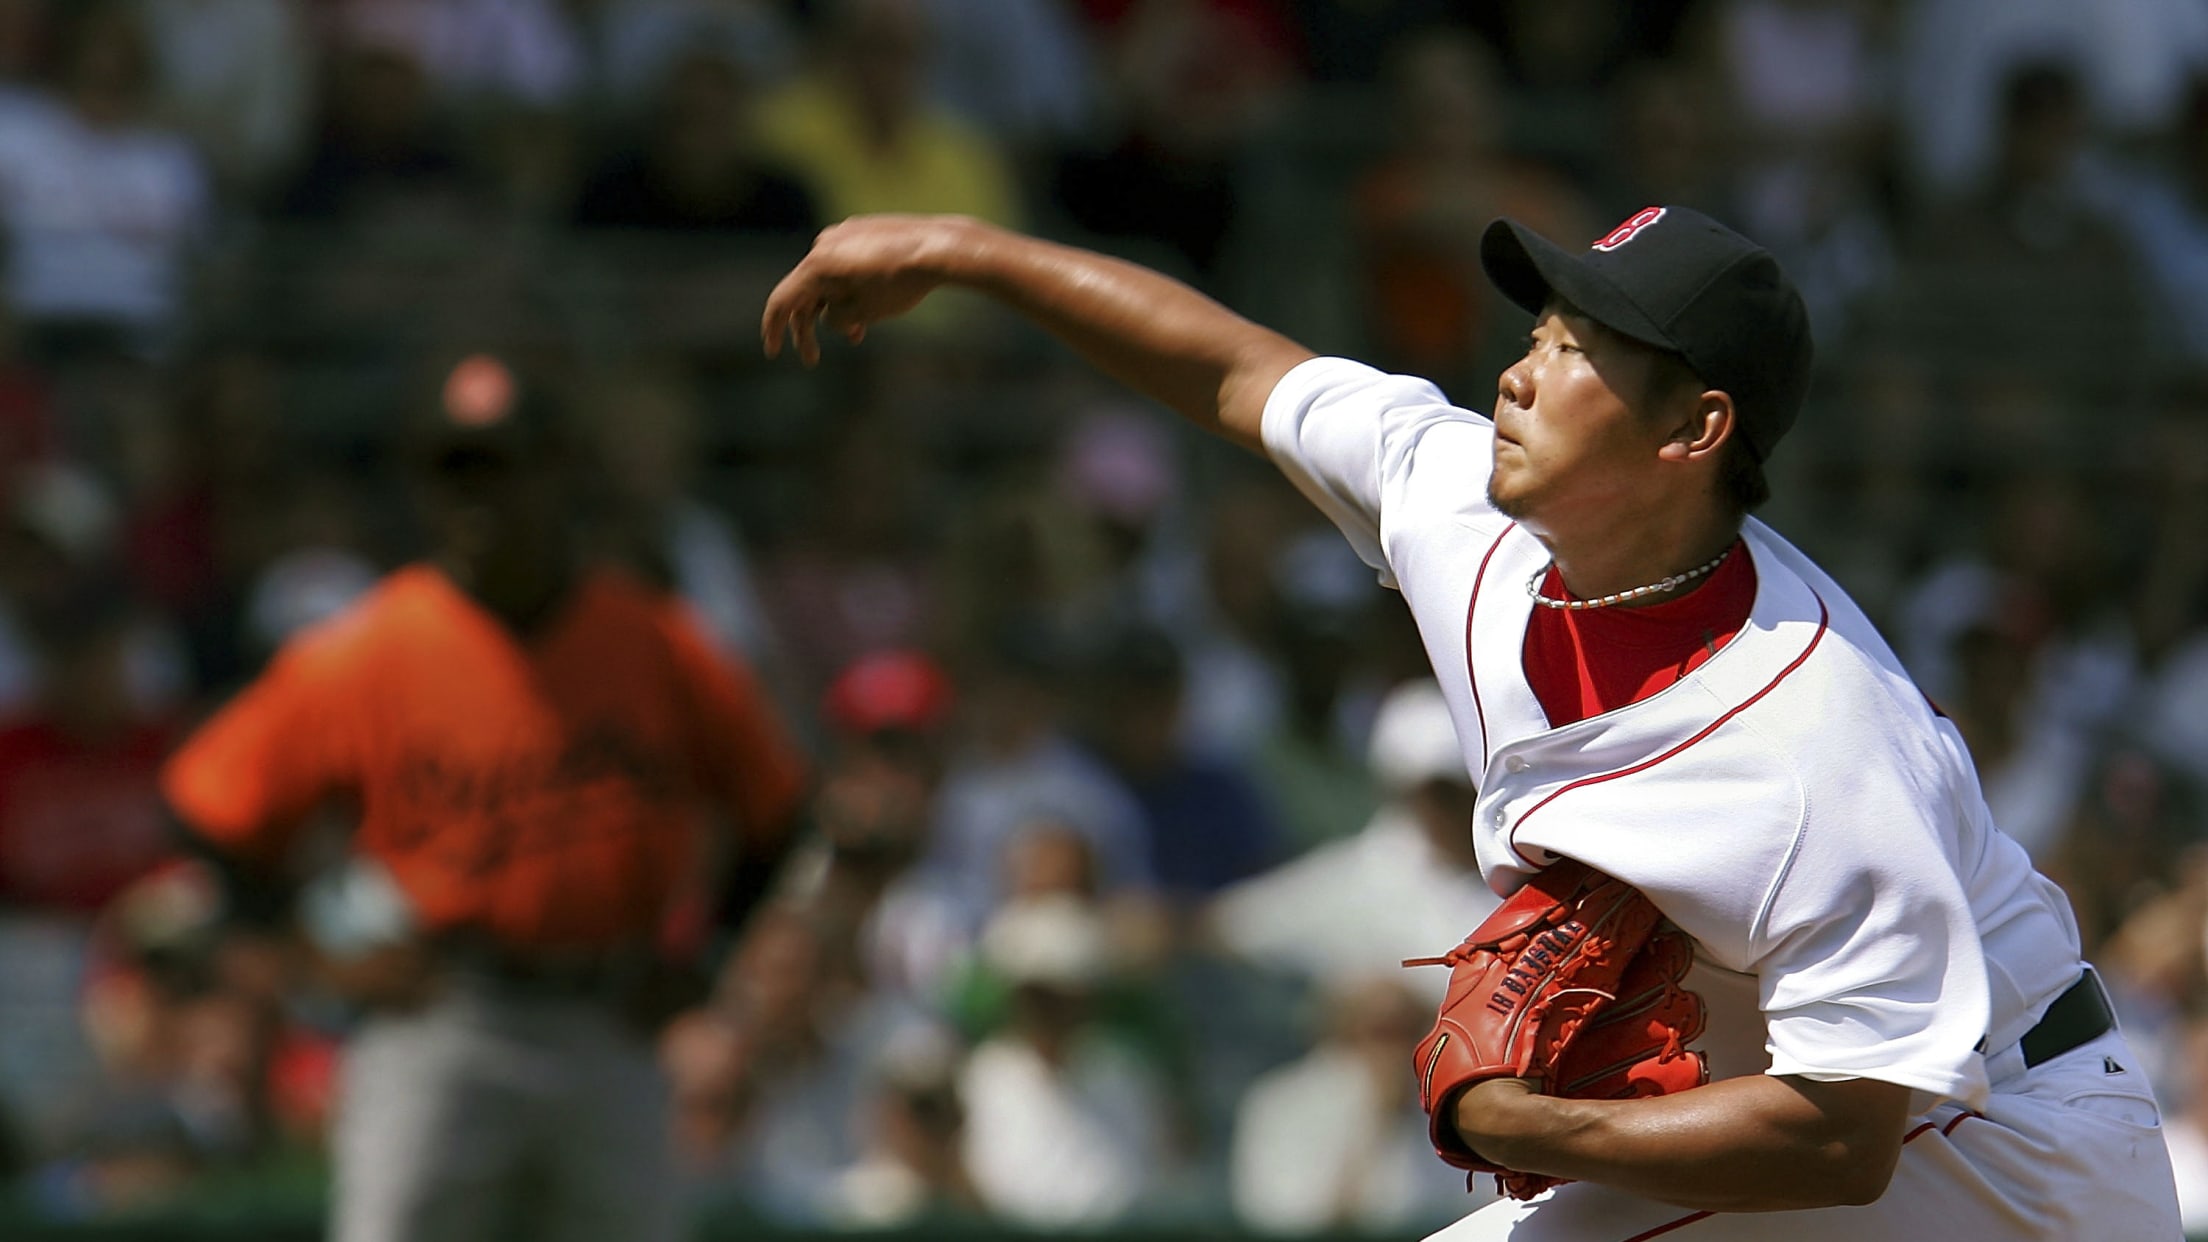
2079,1016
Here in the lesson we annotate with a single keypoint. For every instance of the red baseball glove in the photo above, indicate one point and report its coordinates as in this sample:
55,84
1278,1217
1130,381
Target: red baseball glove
1570,985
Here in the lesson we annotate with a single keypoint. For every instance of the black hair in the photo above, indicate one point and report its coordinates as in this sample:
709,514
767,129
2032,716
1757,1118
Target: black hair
1740,478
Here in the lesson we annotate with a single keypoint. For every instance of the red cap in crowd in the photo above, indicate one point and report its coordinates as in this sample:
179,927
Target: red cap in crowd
895,689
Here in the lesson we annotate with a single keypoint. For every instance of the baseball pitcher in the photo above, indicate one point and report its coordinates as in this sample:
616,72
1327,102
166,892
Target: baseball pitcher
1765,967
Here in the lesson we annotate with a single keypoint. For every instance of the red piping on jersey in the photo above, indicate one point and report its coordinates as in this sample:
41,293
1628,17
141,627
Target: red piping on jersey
1824,622
1960,1118
1692,1217
1471,666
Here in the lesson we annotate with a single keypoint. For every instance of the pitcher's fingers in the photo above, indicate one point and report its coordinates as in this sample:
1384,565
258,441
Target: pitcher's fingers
770,332
805,330
774,321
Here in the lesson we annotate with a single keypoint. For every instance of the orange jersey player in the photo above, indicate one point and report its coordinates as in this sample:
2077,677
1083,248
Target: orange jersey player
534,750
545,791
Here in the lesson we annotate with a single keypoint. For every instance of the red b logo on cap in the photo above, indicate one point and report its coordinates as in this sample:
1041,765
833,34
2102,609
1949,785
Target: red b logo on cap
1627,231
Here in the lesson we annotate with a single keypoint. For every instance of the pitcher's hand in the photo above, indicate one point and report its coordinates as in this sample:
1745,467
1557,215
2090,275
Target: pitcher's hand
860,272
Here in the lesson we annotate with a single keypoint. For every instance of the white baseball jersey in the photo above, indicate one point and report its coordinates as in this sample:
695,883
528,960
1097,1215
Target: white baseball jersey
1794,804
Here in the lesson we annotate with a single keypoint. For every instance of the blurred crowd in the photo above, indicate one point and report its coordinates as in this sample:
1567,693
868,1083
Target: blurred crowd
1130,792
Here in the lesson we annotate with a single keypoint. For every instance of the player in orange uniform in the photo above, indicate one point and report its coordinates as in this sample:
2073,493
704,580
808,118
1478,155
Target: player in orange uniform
534,750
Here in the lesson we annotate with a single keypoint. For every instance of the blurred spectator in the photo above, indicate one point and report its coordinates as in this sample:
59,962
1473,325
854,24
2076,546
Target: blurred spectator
1561,56
914,1168
22,34
857,573
2158,975
1038,555
1047,861
104,210
1208,823
1818,213
2173,720
1805,81
1236,686
2034,768
644,430
205,1071
905,926
57,554
1336,1140
693,169
58,531
1405,886
2022,646
1353,41
48,1069
1096,540
1804,73
1019,767
1324,615
1121,468
863,133
706,1060
28,434
80,808
635,42
2185,1127
167,535
523,52
2163,208
2172,594
316,567
1194,81
2036,197
790,997
1956,55
1022,71
1664,144
236,76
201,473
379,154
2124,844
2024,280
1421,210
1063,1128
80,820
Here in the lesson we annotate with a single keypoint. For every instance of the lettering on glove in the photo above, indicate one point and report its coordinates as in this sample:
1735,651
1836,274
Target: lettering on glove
1570,985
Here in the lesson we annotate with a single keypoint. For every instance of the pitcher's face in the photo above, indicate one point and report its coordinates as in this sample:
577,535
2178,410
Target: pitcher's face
1568,435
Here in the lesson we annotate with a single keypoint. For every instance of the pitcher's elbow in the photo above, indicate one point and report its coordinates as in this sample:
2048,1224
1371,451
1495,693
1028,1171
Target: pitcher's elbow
1862,1174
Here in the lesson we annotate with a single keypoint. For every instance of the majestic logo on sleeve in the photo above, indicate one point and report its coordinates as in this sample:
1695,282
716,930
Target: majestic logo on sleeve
1630,229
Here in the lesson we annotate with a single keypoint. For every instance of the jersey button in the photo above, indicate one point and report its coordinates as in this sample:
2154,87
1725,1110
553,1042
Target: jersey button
1516,763
1497,816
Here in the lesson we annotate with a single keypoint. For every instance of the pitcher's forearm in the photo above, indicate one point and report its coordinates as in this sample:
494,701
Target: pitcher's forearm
1753,1144
1146,330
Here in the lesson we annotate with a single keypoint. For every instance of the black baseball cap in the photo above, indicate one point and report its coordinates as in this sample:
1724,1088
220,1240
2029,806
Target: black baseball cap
1674,278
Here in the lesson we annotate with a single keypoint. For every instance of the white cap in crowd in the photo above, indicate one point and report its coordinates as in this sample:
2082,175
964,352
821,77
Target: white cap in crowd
1056,940
1413,741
